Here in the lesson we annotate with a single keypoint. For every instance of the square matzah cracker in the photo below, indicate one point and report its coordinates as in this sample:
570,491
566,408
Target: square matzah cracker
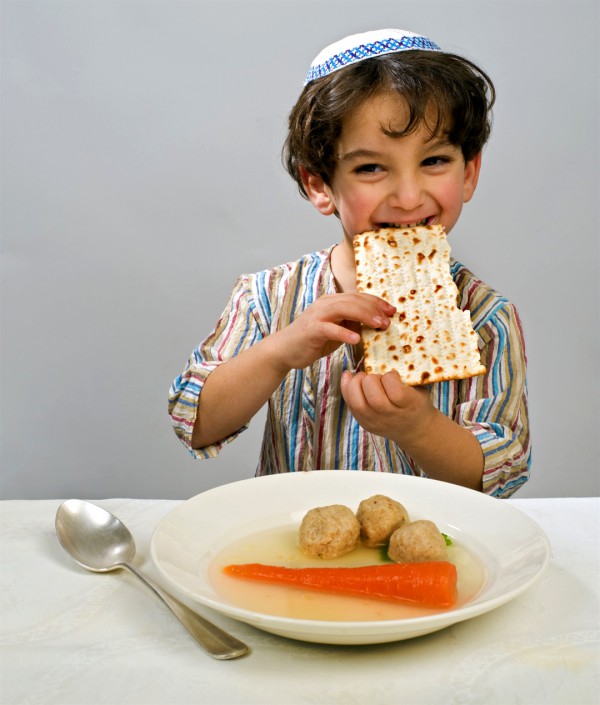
429,339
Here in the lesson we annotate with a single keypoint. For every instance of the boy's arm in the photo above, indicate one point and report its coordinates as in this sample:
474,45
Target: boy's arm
482,440
387,407
234,391
494,406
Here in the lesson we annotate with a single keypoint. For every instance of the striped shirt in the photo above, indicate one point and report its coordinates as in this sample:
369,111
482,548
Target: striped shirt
308,424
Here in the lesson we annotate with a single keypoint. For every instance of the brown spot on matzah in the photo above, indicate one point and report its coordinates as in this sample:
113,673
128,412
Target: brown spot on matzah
425,376
406,349
432,254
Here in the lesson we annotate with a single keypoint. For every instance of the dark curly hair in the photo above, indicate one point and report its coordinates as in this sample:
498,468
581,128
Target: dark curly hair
452,89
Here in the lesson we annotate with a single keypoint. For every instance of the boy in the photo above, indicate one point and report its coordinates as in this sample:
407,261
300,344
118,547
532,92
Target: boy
388,131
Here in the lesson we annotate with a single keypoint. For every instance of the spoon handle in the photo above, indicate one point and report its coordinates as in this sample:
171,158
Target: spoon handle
216,642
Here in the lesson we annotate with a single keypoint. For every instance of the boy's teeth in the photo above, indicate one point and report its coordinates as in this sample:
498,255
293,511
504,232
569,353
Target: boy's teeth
404,225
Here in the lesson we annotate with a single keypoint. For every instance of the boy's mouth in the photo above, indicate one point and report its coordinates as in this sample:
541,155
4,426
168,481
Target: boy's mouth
426,221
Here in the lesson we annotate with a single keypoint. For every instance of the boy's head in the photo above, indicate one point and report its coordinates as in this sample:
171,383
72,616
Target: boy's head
448,94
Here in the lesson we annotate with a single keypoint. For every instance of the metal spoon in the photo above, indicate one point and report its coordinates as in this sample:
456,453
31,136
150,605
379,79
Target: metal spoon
100,542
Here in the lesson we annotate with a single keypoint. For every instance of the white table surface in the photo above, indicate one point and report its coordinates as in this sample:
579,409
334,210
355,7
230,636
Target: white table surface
68,636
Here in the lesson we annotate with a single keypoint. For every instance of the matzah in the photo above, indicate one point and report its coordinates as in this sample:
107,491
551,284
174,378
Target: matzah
429,339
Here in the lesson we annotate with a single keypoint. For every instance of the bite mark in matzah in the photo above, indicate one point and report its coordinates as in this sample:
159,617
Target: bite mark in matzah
429,339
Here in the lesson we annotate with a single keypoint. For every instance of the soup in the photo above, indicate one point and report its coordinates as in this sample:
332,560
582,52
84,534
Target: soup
280,547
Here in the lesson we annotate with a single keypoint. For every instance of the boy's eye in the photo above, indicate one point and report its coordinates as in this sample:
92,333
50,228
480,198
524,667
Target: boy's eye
367,168
436,161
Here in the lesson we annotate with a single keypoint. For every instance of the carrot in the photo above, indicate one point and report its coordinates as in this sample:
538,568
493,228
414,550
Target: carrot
429,584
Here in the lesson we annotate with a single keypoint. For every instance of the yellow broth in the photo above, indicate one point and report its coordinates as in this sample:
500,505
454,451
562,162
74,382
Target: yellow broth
280,547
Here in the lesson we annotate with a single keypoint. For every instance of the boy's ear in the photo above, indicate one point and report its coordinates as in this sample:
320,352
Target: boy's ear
472,169
318,192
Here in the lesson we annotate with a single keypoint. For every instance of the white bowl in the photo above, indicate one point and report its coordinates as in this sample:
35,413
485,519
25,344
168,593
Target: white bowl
513,548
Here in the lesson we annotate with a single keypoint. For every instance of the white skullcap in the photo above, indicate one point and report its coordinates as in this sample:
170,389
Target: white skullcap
366,45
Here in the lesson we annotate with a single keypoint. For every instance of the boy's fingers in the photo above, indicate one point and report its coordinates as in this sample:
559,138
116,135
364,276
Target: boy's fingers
352,325
393,385
375,393
340,333
346,378
352,388
366,309
382,314
397,391
389,308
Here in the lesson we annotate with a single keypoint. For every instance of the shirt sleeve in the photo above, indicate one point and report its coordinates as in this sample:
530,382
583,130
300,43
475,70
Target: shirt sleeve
237,329
495,407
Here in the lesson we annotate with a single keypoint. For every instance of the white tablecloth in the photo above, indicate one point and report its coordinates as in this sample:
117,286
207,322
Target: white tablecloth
73,637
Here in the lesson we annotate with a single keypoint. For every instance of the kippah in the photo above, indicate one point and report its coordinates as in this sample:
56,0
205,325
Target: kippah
358,47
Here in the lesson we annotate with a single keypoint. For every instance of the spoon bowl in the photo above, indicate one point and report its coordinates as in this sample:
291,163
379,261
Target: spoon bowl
100,542
95,538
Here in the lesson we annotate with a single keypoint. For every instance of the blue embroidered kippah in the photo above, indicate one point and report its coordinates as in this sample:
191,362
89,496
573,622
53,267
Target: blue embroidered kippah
358,47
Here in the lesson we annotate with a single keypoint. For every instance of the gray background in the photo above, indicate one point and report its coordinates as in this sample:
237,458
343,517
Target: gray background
141,174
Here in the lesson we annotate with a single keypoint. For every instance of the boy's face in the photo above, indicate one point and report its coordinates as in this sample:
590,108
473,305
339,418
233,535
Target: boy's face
382,181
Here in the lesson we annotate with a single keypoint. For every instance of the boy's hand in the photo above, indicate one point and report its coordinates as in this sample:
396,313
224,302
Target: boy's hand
329,322
385,406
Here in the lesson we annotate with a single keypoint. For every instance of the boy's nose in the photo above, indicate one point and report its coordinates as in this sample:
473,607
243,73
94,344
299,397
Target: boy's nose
406,193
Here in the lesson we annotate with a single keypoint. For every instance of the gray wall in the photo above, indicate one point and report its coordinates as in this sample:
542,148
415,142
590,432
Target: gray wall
141,174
